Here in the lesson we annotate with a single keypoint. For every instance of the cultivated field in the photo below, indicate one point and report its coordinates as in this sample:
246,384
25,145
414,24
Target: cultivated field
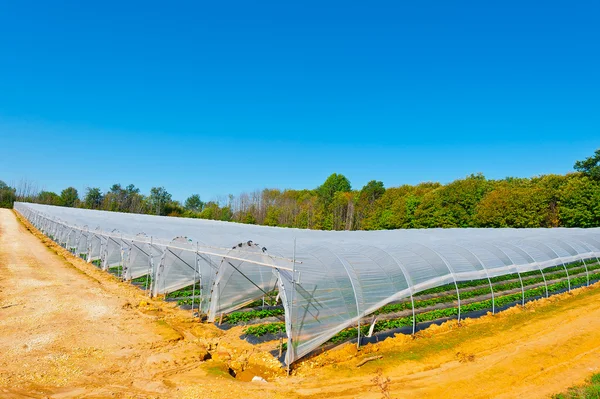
68,329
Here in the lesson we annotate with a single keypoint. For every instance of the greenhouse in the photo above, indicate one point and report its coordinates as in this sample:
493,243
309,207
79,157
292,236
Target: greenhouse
326,282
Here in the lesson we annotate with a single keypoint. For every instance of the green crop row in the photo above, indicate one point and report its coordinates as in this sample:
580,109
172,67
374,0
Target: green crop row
397,307
262,329
269,300
116,269
237,317
185,292
383,325
449,312
573,268
143,279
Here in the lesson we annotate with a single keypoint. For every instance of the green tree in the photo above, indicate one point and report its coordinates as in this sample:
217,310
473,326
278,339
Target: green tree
174,208
372,191
336,183
93,198
158,200
333,184
193,203
343,211
7,195
272,216
226,214
519,207
580,203
365,203
210,211
452,205
48,198
249,218
126,199
69,197
590,166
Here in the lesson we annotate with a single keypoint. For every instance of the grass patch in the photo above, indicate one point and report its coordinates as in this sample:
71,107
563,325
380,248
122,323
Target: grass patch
590,390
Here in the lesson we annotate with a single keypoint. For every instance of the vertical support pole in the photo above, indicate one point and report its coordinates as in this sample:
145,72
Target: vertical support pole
458,297
493,299
587,273
455,282
563,264
290,339
89,248
566,271
195,274
87,245
487,275
199,285
150,268
77,242
522,289
544,277
414,320
119,270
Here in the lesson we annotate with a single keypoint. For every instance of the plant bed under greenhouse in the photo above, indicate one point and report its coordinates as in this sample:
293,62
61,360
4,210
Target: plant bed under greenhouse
389,324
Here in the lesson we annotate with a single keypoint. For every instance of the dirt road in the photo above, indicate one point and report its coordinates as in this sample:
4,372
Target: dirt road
70,330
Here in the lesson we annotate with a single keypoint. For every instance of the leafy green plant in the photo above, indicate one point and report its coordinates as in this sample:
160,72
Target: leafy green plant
269,300
262,329
143,279
116,269
185,292
237,317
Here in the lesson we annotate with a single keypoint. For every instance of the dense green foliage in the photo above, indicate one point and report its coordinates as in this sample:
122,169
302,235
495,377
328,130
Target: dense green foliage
69,197
7,195
571,200
590,166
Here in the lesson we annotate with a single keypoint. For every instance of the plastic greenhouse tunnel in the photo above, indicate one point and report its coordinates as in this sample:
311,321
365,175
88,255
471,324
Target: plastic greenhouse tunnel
326,282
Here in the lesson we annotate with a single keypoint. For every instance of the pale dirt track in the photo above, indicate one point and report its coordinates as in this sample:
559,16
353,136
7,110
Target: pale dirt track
69,330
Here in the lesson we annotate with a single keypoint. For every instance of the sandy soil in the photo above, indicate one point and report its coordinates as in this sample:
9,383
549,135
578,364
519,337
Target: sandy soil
69,330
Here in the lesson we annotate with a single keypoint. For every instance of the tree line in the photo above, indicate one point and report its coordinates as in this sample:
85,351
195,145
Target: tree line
571,200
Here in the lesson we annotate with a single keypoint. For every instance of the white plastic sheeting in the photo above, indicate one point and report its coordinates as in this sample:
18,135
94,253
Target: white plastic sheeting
327,280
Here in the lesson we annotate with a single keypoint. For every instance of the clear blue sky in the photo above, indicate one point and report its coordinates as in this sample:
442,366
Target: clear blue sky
224,97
